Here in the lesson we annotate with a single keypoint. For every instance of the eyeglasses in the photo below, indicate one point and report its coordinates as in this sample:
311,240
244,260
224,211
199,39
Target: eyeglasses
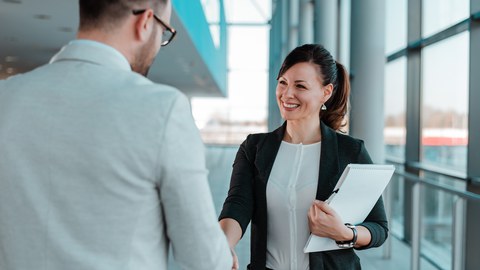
167,35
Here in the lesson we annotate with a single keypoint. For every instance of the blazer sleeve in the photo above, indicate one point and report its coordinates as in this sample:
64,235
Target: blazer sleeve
240,200
376,221
191,224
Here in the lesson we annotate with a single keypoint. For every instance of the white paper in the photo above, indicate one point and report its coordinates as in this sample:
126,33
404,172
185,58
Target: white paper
360,186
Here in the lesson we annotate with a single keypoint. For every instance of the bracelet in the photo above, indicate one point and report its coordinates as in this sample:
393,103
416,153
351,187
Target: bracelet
349,244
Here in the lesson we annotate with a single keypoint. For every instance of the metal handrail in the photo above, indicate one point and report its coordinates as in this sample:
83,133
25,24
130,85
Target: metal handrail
428,168
432,183
436,170
458,213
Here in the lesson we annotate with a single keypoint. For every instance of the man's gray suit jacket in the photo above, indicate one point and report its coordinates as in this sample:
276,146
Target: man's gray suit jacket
100,168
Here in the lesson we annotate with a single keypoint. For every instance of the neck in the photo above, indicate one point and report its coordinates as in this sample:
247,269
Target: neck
108,39
305,132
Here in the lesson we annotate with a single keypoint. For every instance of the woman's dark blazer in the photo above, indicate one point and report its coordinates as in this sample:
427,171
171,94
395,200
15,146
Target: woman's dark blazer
247,201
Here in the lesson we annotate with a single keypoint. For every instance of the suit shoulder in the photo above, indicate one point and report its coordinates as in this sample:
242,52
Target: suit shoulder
349,143
345,138
145,83
156,92
257,138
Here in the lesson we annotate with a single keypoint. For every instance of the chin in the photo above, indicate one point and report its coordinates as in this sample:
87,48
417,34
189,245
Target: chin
288,117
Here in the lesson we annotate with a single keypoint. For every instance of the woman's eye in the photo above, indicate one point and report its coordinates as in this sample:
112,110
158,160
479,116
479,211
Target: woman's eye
282,82
301,86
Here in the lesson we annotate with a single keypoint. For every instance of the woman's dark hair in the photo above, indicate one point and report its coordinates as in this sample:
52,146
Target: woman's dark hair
107,13
330,71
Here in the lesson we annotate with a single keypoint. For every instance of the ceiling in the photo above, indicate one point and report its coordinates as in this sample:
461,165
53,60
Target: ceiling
32,31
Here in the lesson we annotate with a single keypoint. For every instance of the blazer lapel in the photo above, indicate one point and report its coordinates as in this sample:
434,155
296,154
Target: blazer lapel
267,152
329,167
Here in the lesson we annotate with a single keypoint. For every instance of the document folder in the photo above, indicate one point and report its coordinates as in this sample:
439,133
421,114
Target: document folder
357,191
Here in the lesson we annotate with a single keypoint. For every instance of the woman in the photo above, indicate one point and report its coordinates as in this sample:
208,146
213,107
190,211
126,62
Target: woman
276,176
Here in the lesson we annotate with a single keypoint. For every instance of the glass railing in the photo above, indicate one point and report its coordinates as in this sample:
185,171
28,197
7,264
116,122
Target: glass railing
437,214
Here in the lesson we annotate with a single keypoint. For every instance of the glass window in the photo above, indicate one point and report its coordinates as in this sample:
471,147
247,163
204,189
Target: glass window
396,25
247,11
395,106
395,135
211,8
397,191
440,14
437,220
444,113
245,54
229,120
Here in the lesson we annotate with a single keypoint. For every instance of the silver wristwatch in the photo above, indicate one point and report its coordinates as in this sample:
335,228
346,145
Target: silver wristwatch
349,244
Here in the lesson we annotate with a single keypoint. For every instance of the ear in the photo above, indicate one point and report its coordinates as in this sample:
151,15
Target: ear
143,25
327,92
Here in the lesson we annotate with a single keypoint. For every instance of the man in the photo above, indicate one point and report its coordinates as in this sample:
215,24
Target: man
100,168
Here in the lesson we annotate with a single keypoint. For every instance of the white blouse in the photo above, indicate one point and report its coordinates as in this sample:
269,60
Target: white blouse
291,189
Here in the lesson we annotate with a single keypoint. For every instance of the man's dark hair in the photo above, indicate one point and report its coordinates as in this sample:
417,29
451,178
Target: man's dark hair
106,14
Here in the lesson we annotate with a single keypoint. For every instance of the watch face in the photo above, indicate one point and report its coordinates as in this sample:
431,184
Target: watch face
345,245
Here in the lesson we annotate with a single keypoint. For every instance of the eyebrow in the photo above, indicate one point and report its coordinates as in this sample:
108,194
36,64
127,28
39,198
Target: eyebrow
296,81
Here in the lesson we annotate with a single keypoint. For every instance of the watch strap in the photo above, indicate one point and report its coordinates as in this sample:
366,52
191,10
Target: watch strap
351,243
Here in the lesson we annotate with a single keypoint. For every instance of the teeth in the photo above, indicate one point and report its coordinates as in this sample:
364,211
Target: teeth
290,105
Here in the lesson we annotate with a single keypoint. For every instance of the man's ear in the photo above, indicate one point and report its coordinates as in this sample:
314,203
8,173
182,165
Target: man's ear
143,25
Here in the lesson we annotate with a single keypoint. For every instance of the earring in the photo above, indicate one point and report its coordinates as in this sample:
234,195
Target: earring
324,108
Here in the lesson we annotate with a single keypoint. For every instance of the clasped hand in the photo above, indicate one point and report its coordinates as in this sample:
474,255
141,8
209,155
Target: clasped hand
325,222
235,265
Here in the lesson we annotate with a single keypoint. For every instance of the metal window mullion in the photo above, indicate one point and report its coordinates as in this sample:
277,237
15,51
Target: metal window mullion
388,201
293,23
472,243
458,233
278,50
416,227
326,25
412,147
435,38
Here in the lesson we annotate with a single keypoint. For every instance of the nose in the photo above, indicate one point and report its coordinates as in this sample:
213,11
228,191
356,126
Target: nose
288,92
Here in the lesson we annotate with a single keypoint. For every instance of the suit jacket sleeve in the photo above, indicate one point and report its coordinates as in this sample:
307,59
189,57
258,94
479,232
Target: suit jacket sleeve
376,221
196,237
240,200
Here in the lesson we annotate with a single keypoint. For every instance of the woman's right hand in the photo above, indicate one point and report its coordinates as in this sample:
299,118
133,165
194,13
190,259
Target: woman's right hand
233,232
235,265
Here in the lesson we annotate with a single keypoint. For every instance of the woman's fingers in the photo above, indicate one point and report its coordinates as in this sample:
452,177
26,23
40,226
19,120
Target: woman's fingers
311,212
324,207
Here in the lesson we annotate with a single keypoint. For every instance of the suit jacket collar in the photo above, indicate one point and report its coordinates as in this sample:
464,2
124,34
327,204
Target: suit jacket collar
267,152
92,52
329,166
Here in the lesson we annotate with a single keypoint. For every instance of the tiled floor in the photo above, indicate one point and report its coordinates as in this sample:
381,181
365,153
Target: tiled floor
373,259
